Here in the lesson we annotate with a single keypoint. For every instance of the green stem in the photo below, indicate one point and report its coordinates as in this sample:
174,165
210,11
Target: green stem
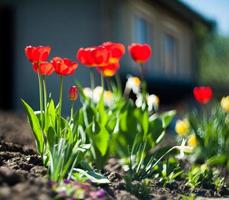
60,103
102,81
61,94
102,84
41,100
118,81
45,92
142,156
72,111
108,83
141,71
92,78
171,149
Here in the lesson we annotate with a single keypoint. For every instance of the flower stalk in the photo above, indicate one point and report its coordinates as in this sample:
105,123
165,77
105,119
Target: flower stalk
41,100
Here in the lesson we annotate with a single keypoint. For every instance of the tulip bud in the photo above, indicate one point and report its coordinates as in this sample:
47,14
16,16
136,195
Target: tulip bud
73,93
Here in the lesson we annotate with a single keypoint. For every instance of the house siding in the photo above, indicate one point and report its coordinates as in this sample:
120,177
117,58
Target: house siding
69,25
59,25
160,21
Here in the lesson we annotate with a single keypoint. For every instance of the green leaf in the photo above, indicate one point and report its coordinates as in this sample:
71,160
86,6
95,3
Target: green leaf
51,137
35,126
217,160
102,140
167,117
92,175
52,113
155,128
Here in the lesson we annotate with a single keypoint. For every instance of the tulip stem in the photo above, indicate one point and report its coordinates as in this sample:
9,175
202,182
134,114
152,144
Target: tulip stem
92,78
141,71
102,81
119,84
102,85
41,100
45,92
108,83
72,111
60,101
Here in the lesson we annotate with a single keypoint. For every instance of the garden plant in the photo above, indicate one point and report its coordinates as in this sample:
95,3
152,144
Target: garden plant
120,123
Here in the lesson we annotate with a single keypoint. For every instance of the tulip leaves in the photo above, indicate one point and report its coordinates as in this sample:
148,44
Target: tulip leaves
35,125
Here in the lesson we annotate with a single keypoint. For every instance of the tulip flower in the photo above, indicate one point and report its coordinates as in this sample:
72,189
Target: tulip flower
140,53
64,66
116,51
225,103
43,68
85,57
73,93
93,56
203,94
100,55
37,53
109,70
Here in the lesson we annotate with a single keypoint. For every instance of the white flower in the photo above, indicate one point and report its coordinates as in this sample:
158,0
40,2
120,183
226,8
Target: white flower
97,92
87,92
133,83
152,101
183,149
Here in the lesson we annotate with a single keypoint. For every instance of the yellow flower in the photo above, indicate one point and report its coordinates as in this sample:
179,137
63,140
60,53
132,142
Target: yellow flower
192,141
225,104
182,127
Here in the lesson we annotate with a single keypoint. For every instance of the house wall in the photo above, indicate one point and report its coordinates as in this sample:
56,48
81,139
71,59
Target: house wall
65,26
69,25
160,21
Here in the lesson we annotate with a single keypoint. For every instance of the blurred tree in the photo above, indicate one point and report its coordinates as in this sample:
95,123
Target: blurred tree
213,54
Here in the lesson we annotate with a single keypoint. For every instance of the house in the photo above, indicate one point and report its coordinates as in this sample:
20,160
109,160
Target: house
168,26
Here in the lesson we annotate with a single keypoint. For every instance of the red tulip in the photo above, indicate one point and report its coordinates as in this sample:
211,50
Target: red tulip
43,68
116,51
109,70
73,93
85,57
64,66
100,55
203,94
140,53
93,56
38,53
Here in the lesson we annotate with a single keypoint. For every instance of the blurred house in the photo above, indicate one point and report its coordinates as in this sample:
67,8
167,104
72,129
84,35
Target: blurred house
167,25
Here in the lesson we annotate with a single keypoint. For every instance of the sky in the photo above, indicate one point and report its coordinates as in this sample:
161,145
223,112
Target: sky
217,10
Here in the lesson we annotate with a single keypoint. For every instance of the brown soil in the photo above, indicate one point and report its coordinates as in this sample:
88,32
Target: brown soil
23,177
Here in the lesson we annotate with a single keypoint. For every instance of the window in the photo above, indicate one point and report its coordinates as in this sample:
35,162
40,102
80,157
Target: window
140,30
170,54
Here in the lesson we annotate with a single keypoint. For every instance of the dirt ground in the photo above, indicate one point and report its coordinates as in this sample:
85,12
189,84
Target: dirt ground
23,177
